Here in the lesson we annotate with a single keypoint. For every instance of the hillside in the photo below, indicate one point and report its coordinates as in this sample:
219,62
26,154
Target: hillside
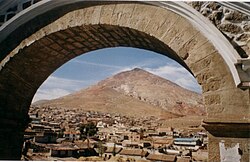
136,92
156,91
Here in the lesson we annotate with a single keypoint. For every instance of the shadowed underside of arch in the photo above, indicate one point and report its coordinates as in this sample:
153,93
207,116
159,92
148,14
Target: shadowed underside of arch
31,61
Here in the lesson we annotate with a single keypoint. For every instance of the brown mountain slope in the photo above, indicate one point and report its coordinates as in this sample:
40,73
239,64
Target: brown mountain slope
105,99
157,91
134,92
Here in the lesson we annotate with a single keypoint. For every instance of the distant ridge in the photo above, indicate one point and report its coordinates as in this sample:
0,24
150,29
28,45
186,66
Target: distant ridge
39,102
134,92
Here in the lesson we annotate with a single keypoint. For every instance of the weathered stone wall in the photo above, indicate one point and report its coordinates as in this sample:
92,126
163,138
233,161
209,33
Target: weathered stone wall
233,24
131,25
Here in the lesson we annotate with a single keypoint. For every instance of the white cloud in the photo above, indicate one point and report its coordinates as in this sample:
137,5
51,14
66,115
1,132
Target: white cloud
54,87
189,83
48,94
96,64
57,82
178,75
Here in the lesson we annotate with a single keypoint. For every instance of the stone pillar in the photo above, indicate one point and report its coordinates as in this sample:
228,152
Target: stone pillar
11,138
228,141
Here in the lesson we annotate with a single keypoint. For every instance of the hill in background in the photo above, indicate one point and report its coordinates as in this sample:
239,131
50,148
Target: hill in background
134,93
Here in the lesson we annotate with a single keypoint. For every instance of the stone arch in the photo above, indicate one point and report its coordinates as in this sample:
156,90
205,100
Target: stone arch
29,62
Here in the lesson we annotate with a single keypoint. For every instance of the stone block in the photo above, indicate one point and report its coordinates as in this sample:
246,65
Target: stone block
184,42
200,51
141,17
213,6
213,149
212,99
78,52
236,97
216,17
122,14
161,23
203,76
95,17
243,37
46,41
106,14
69,46
231,101
231,28
200,65
129,15
59,35
246,27
211,85
78,45
176,29
236,16
55,46
196,5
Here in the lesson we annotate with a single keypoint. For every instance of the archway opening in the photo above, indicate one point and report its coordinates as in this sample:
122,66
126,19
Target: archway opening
92,67
28,70
98,65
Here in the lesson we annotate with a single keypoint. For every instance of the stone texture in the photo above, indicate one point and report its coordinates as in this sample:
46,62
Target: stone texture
231,28
212,99
243,37
213,6
216,17
236,16
196,5
246,27
229,142
229,22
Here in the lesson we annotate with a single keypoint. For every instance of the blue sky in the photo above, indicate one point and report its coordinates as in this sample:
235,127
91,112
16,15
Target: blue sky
90,68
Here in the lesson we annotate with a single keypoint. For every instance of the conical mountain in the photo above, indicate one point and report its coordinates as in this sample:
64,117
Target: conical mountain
157,91
135,92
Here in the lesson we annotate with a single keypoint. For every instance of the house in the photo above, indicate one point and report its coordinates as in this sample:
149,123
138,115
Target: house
161,142
151,132
187,144
64,151
104,133
30,133
134,136
39,147
40,128
184,159
187,141
111,151
161,157
146,144
132,144
46,137
54,125
86,148
165,131
71,135
134,153
113,137
35,119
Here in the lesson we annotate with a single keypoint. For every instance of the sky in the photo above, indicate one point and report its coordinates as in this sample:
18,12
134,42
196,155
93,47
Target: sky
92,67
